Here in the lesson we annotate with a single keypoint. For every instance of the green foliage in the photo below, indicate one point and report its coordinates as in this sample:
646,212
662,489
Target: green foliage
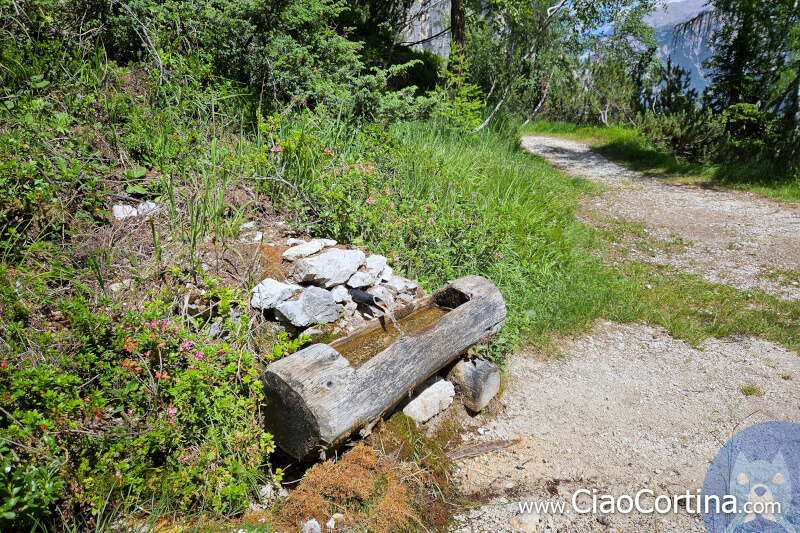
146,408
27,491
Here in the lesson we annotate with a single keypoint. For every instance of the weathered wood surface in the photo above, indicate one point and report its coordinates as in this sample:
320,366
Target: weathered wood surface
477,382
315,399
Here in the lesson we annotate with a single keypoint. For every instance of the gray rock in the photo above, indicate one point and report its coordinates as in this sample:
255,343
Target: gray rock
255,238
147,208
121,286
269,293
384,294
405,298
294,242
333,267
248,225
328,242
401,285
315,334
376,264
312,526
340,294
303,250
360,280
430,402
123,211
315,306
350,308
387,273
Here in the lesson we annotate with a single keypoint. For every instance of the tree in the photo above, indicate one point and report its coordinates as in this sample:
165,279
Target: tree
532,30
756,60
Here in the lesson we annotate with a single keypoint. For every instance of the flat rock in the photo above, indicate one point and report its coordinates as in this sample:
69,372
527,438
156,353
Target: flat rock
401,285
360,280
270,292
303,250
333,267
294,242
147,208
430,402
328,242
315,306
123,211
340,294
375,264
387,273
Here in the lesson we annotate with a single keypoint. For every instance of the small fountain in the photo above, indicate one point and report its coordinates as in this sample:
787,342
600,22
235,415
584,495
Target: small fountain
317,397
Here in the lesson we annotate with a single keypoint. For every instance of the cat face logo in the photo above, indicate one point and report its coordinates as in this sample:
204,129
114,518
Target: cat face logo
753,483
761,488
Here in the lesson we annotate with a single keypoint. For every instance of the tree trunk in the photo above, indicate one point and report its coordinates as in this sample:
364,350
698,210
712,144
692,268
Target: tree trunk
315,398
530,56
458,33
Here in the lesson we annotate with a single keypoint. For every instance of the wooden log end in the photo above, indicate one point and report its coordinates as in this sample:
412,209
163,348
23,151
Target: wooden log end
477,382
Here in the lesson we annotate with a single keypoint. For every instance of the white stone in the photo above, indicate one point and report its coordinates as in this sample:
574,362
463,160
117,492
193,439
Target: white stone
294,242
315,306
430,402
248,225
331,524
303,250
400,285
333,267
312,526
123,211
340,294
387,273
270,292
359,280
147,208
375,264
328,242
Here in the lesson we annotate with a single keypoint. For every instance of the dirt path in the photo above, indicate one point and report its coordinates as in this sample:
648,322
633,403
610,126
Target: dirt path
629,407
730,237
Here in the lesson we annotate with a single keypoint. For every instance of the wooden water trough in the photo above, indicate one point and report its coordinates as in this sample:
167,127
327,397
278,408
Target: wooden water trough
319,396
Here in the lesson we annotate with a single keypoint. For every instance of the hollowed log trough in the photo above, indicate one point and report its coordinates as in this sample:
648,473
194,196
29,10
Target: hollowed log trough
316,398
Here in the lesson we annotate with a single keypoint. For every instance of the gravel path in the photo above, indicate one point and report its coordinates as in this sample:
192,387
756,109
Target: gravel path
629,407
731,237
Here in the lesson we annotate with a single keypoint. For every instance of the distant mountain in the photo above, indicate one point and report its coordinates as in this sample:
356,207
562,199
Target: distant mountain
688,52
427,26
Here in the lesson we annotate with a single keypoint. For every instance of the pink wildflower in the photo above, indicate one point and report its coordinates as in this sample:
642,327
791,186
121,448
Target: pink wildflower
427,207
171,411
391,204
200,355
327,150
370,200
190,367
184,345
277,148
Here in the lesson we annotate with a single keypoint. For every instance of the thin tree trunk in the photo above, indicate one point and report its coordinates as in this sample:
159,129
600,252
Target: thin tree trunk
530,56
459,36
541,100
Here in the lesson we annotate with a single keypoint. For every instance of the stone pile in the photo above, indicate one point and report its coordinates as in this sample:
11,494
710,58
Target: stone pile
318,291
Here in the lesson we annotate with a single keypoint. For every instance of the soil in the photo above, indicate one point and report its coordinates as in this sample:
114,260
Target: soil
627,406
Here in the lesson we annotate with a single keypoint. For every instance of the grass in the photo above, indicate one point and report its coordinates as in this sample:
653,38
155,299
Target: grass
751,390
627,146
